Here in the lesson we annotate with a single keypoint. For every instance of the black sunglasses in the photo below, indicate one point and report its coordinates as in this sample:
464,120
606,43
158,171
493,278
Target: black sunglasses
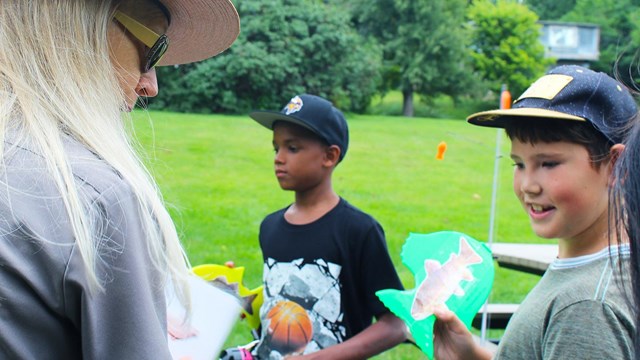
157,44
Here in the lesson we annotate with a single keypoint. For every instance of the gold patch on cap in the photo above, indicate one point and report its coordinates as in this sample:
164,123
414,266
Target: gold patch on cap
547,87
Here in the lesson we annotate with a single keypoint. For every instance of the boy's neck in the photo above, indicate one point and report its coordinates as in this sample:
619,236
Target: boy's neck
311,205
573,248
591,241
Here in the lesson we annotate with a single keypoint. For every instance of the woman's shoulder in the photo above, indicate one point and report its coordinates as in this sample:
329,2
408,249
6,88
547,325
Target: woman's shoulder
91,172
26,169
30,198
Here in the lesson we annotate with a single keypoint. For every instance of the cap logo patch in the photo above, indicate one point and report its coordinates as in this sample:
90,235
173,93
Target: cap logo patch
294,105
547,87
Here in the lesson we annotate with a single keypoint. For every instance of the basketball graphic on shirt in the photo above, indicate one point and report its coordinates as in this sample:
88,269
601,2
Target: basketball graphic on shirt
290,327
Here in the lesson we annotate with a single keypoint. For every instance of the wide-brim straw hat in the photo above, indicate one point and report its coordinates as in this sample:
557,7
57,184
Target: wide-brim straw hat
199,29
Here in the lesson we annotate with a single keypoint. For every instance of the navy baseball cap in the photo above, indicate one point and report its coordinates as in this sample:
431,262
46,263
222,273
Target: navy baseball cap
314,113
570,92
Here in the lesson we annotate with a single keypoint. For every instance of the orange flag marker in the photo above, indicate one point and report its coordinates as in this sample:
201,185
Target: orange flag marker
442,147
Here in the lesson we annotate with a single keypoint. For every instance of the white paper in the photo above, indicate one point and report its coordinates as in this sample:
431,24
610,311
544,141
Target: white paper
214,313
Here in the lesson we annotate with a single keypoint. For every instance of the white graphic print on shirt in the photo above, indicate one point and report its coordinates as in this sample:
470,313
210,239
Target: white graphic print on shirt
301,311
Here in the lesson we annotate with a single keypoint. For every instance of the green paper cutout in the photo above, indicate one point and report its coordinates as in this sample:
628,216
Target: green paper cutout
448,273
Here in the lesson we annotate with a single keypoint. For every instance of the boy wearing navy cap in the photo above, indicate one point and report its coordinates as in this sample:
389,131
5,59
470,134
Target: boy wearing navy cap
324,259
566,132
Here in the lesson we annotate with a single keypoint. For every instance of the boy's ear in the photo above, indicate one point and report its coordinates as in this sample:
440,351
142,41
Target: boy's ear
332,155
614,153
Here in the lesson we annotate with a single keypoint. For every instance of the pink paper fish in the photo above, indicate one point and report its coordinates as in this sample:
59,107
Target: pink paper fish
442,281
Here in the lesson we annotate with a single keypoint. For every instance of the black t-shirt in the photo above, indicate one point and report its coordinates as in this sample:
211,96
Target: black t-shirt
331,269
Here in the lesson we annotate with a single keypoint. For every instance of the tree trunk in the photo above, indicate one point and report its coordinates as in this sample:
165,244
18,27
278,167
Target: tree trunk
407,102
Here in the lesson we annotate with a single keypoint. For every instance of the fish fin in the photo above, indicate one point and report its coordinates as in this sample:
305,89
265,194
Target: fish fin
420,310
441,306
417,301
416,307
431,265
467,252
467,275
421,315
458,291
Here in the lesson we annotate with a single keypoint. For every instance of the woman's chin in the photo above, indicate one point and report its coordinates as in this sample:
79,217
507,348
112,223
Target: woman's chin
126,108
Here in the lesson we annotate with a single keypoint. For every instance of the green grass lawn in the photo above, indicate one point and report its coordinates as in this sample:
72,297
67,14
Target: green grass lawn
216,174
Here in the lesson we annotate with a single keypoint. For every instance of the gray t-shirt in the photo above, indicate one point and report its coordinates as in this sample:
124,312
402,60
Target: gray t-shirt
46,310
578,310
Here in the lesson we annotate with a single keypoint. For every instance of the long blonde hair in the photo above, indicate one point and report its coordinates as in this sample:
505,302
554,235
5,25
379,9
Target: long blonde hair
56,80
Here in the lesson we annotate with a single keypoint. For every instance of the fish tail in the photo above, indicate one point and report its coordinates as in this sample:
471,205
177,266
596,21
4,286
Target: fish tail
467,252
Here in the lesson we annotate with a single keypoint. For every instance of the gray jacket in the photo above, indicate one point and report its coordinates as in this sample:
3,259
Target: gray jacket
46,309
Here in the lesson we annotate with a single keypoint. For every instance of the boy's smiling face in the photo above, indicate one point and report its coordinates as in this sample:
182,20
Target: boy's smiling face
563,194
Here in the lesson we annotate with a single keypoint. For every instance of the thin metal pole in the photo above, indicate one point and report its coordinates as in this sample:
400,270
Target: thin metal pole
505,103
492,221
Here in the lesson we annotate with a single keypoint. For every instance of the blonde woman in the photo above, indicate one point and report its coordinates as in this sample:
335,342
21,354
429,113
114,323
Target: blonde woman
86,245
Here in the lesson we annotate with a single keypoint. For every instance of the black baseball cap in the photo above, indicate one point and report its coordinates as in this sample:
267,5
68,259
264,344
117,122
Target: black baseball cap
573,93
314,113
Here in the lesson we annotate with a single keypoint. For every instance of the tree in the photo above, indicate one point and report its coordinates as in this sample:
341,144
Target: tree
550,9
424,45
619,22
285,47
506,46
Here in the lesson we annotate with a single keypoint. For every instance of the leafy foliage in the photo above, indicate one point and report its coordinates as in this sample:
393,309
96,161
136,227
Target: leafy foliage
619,22
285,47
550,9
506,47
424,44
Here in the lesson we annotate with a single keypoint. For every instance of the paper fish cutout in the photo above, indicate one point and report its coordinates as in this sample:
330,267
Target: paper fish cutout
230,280
462,283
443,281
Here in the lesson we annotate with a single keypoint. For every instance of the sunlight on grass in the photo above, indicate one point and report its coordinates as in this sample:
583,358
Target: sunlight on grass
217,176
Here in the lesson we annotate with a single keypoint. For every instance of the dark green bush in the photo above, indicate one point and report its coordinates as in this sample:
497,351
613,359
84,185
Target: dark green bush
285,47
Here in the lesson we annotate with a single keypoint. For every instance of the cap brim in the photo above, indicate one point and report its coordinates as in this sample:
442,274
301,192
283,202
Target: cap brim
498,118
267,118
199,29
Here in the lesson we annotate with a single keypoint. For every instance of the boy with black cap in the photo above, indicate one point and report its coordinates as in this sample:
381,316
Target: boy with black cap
323,258
565,133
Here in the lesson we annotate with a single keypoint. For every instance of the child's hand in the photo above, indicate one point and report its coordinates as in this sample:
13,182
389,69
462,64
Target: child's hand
452,340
